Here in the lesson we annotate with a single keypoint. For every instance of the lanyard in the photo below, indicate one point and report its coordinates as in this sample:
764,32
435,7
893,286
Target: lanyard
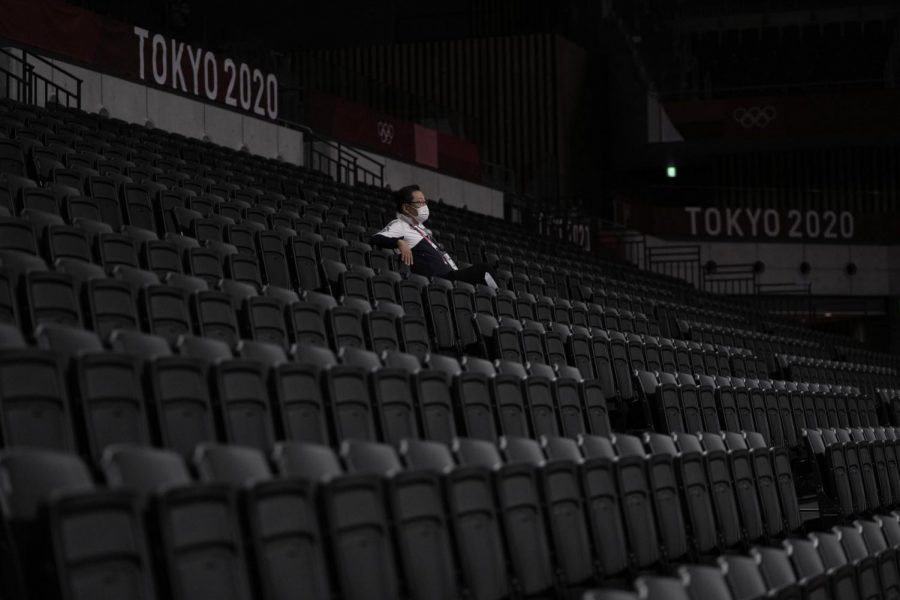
444,256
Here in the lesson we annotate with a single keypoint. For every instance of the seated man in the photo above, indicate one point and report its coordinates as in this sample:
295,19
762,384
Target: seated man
418,248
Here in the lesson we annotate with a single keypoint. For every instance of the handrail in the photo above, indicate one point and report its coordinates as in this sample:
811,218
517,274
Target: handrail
29,80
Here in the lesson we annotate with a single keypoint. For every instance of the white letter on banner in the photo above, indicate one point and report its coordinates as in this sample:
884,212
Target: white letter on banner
773,226
177,73
692,211
731,222
713,226
142,38
754,215
195,67
159,46
210,75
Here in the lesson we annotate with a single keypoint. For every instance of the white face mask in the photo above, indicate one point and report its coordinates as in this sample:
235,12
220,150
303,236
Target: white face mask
422,213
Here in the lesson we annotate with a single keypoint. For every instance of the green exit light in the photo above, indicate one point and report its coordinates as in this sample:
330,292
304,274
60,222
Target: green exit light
672,171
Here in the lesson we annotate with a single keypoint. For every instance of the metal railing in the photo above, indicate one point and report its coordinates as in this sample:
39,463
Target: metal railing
737,278
31,87
343,163
682,262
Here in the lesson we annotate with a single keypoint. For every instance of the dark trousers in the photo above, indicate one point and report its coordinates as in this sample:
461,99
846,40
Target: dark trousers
473,274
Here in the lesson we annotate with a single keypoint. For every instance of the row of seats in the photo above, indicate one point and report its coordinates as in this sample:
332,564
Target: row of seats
855,470
857,560
510,520
165,160
779,411
140,389
867,377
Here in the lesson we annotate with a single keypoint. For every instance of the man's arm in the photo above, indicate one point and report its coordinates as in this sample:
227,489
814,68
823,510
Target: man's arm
383,241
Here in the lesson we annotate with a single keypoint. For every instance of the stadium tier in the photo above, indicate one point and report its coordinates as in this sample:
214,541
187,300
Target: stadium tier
212,386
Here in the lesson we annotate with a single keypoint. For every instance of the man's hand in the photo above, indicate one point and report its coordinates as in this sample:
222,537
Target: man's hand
405,253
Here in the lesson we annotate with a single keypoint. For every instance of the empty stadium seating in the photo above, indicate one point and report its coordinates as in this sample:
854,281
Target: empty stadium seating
212,387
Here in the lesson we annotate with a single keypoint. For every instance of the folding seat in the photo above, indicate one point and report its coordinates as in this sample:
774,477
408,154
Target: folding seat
435,404
857,571
12,159
262,319
214,316
382,260
180,401
519,507
812,573
161,257
202,556
832,477
559,487
350,505
544,308
243,403
11,337
507,389
67,342
744,404
578,351
114,249
661,476
876,545
682,357
36,200
50,297
556,338
239,466
743,576
767,482
383,327
353,282
574,400
64,241
533,340
541,400
165,311
345,326
472,400
859,470
35,408
722,487
697,491
620,365
17,234
778,574
855,442
243,268
440,314
305,260
351,404
506,304
410,292
136,204
392,389
306,319
745,489
759,407
660,399
272,259
605,517
383,286
602,362
611,319
370,458
628,471
48,499
501,340
635,345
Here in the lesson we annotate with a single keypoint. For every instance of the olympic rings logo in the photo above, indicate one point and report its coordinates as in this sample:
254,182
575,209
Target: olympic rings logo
385,132
754,116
